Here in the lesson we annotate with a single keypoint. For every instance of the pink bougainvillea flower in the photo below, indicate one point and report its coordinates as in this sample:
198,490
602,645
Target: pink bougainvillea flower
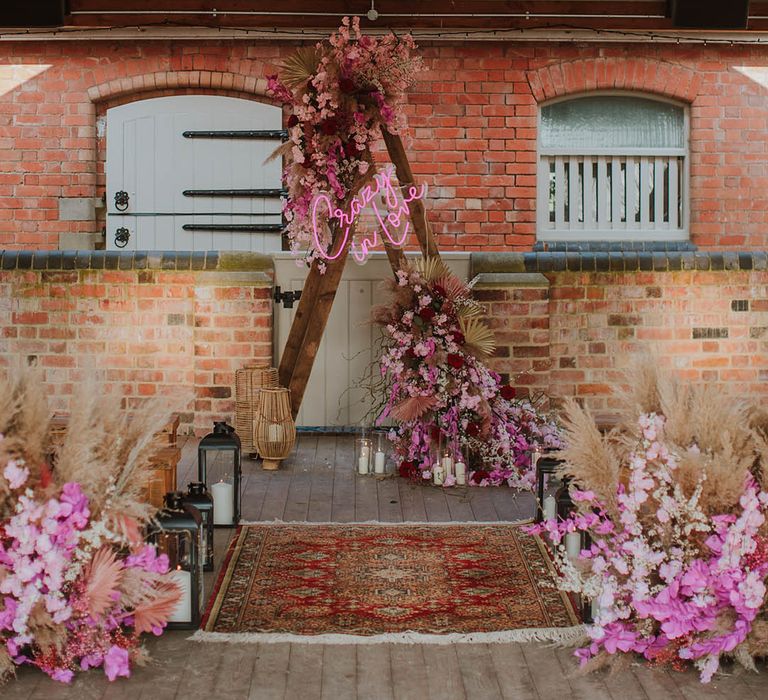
15,474
116,663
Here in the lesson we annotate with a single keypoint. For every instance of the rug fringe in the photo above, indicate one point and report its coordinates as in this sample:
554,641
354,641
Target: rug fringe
482,523
558,635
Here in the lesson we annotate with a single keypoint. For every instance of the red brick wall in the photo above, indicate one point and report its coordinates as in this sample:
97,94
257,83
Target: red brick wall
472,117
175,334
573,332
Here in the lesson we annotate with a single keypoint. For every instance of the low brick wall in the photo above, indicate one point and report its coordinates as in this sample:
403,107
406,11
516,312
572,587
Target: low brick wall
568,323
173,325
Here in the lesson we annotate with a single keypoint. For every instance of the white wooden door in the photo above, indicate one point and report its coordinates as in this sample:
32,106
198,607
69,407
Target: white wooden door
179,159
334,396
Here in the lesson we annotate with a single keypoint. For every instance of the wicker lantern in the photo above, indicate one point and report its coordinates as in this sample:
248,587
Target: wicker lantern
248,382
274,432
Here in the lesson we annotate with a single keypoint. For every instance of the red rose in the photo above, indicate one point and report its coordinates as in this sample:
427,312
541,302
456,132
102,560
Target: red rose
479,475
427,313
508,392
473,429
408,470
346,85
455,361
350,149
458,338
293,120
329,126
439,290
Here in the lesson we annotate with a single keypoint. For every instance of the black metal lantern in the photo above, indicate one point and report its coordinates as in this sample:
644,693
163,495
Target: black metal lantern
221,473
546,487
179,534
197,496
563,501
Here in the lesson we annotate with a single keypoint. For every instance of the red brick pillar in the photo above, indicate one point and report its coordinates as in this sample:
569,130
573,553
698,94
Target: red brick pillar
517,304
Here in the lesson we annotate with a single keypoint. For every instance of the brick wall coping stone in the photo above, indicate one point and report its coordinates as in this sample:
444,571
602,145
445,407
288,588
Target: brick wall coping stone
617,261
211,261
516,279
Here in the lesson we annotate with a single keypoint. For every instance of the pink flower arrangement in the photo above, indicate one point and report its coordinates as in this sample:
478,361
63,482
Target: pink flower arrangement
63,570
439,389
340,93
672,583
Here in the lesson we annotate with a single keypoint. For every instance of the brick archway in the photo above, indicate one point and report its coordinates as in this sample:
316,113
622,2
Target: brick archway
636,74
194,80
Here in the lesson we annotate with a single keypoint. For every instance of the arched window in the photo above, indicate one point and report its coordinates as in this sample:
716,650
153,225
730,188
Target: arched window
612,167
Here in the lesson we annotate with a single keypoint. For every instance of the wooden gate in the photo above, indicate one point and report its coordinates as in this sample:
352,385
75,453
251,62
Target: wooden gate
187,172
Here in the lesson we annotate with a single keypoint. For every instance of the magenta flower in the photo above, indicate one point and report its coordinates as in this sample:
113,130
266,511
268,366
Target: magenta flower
116,663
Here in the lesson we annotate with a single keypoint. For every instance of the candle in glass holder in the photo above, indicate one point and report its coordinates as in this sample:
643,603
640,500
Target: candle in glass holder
447,463
550,507
364,458
275,433
438,474
183,610
573,545
461,473
223,495
379,461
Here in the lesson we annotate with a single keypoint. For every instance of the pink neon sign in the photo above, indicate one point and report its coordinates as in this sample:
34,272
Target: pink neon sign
397,212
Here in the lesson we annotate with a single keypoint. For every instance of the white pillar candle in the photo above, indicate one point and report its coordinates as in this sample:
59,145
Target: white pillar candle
223,495
362,465
573,545
380,460
183,610
595,607
448,465
438,474
275,433
461,473
550,508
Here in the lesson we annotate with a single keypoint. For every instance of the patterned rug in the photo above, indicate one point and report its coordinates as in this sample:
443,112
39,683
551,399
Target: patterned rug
464,582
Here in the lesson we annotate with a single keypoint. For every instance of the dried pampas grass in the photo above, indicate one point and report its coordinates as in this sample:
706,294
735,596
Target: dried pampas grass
711,433
108,451
591,459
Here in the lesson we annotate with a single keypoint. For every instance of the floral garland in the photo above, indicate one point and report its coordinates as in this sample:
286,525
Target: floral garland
61,569
672,582
439,389
340,93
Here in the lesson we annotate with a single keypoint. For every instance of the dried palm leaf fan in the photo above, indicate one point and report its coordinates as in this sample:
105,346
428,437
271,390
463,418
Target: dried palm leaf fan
274,432
478,338
248,383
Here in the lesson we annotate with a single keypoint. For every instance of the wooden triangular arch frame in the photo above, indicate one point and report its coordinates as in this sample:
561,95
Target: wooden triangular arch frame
319,289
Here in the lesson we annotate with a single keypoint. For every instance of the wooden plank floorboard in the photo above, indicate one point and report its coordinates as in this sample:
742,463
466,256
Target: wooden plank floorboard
409,678
366,499
546,672
305,672
390,509
374,672
276,496
270,672
411,501
343,499
436,505
441,665
323,476
514,678
481,503
477,672
339,672
583,686
459,506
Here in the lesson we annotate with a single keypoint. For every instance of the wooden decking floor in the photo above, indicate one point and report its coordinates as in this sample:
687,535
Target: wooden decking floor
319,484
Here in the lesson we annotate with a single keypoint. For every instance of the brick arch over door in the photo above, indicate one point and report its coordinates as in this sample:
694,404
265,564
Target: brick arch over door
137,86
584,75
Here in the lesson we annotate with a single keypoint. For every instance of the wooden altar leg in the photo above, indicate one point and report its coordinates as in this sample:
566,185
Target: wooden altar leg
404,174
307,331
